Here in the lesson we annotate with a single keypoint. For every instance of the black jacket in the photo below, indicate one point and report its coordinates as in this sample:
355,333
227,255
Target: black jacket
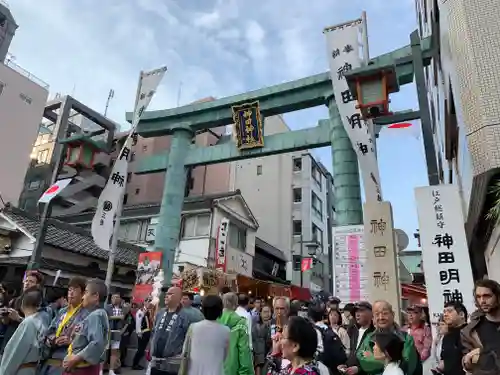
451,352
352,360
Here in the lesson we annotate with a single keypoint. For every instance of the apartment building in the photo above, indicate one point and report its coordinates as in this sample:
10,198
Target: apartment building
22,101
463,83
311,221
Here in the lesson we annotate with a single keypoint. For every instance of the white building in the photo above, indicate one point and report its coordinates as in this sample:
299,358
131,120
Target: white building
201,217
266,185
22,101
310,222
287,194
463,85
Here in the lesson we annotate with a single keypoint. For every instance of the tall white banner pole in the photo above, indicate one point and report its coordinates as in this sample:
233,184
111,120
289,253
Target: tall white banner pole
106,221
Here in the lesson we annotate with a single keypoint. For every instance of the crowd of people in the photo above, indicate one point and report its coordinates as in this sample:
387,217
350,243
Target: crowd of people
77,332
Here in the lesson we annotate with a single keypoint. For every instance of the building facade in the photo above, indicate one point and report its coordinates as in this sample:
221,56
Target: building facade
463,83
311,183
8,28
67,249
200,221
22,101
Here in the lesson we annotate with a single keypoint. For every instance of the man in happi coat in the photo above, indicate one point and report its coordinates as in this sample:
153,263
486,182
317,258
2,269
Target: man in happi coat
22,352
89,341
60,330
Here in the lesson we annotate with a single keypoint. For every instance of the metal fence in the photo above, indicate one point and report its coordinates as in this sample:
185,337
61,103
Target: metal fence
11,64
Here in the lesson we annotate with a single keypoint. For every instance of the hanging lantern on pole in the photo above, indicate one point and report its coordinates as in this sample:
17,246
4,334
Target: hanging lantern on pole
372,88
81,151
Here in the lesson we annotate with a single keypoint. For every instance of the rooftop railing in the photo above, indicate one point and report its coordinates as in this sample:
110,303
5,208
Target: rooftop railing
11,64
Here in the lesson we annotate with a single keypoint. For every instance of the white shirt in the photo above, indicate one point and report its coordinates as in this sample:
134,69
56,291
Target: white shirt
393,369
245,314
361,332
138,320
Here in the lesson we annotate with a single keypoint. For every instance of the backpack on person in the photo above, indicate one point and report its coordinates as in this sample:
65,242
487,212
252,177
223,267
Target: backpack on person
331,351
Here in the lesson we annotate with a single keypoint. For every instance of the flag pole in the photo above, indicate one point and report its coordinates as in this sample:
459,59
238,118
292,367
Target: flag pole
116,228
114,246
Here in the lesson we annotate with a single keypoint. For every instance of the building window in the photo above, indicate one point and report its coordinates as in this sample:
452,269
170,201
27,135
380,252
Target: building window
259,170
316,175
317,234
237,237
297,195
42,156
137,191
317,205
129,177
297,227
196,226
25,98
297,164
34,185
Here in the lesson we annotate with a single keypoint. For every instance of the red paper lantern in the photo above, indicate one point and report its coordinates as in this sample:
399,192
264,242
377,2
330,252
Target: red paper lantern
402,125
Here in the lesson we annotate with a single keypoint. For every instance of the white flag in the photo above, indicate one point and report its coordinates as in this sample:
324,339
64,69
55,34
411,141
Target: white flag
112,194
54,190
343,53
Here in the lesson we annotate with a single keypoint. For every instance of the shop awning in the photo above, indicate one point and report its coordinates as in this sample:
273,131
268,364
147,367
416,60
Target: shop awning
414,290
264,276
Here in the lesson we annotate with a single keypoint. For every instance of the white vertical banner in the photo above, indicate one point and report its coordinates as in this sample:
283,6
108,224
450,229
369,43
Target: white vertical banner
343,48
445,254
112,194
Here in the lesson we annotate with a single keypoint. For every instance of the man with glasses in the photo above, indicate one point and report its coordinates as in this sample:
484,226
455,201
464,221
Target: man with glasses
383,319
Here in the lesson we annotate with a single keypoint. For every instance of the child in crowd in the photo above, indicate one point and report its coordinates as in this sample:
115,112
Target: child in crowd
389,348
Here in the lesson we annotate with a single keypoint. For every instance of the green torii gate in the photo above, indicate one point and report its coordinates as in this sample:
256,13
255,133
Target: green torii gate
182,123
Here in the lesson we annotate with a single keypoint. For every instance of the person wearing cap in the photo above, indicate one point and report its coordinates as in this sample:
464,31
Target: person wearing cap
383,319
420,331
364,327
333,303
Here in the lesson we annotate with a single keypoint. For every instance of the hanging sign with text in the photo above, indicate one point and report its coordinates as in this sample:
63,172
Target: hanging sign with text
221,245
382,255
344,55
445,254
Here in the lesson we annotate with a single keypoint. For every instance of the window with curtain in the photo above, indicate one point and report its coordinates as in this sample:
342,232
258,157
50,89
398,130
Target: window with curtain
196,226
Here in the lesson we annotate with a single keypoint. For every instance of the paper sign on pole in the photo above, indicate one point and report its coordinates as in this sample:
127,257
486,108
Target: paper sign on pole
445,254
343,50
221,245
112,194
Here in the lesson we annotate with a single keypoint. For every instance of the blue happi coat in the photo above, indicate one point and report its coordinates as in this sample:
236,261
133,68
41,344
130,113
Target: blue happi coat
91,336
22,352
52,364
